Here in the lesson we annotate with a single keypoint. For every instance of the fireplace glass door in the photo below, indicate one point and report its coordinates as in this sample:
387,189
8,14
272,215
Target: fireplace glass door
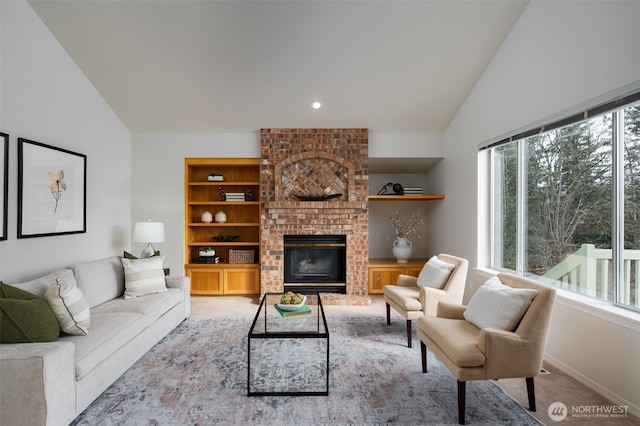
315,263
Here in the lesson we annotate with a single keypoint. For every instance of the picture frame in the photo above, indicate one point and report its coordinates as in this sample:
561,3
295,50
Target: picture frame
52,190
4,184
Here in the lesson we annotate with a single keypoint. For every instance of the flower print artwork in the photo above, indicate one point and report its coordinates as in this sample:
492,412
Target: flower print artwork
57,185
52,190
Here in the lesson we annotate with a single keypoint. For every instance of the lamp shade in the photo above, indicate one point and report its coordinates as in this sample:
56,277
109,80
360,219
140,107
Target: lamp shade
149,232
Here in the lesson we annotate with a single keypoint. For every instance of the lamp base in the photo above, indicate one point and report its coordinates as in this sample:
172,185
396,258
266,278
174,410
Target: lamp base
147,252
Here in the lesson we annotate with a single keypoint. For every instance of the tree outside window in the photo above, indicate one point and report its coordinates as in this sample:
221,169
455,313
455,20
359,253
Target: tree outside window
569,208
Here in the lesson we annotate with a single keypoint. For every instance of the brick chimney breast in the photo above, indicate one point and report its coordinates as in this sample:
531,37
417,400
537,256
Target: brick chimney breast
314,162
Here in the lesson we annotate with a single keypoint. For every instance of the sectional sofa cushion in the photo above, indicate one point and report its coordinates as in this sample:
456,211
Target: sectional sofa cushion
96,279
109,333
25,317
151,306
39,286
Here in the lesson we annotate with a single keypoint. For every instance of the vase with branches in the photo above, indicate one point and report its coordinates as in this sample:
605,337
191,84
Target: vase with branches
402,246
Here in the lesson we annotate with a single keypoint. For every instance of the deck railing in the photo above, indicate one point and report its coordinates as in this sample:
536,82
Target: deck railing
588,271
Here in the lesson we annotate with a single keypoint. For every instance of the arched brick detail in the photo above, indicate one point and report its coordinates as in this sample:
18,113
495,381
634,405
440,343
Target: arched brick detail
313,173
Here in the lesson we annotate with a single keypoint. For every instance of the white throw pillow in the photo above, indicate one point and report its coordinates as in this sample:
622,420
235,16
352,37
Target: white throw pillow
496,305
69,305
435,273
143,276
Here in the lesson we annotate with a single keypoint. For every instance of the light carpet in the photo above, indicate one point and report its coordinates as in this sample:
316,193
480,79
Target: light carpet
197,375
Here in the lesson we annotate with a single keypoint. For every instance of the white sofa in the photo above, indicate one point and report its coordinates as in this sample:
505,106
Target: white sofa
52,383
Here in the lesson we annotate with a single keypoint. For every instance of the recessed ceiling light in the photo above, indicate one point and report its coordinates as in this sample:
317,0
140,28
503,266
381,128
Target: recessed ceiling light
316,105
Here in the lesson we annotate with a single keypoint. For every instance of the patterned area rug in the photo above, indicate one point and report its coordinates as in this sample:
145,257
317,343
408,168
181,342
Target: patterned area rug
197,375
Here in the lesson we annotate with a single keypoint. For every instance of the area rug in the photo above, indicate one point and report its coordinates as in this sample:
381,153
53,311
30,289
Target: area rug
197,375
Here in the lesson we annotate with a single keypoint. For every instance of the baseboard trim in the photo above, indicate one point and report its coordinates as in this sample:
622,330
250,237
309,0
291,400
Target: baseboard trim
559,365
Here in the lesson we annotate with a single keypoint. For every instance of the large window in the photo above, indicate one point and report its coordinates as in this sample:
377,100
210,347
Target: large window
565,204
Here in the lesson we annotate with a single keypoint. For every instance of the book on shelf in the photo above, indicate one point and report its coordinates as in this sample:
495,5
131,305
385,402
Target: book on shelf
208,259
413,190
234,196
302,311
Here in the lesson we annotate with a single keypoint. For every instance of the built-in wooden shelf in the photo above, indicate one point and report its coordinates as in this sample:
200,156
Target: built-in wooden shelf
406,197
240,175
386,271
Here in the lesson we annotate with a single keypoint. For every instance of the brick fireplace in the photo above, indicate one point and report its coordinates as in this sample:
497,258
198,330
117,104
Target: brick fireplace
316,163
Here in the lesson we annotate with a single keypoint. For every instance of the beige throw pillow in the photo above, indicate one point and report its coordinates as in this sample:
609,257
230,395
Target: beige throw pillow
435,273
496,305
143,276
69,305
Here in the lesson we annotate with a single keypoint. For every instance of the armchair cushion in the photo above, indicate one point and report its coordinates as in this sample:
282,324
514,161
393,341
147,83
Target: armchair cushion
408,298
435,273
458,339
498,306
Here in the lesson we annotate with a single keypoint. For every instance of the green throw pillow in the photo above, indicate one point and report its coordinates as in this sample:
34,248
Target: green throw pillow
25,317
128,255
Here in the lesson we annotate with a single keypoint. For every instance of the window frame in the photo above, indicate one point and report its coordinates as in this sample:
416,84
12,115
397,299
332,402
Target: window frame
613,104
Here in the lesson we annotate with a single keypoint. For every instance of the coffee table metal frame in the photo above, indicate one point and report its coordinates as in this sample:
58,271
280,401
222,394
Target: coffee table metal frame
267,309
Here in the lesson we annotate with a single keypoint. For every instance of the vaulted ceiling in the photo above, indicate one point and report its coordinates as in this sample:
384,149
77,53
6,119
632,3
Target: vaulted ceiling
238,66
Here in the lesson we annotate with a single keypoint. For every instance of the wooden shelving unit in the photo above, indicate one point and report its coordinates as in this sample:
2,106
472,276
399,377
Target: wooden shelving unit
406,197
243,220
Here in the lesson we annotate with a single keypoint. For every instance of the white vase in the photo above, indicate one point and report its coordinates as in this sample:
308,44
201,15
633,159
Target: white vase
207,217
402,250
221,217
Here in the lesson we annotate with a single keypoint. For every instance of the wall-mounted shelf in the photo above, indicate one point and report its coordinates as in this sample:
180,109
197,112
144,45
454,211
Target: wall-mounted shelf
405,197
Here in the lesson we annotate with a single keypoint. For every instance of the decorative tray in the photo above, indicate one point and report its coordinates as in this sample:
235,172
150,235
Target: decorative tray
321,197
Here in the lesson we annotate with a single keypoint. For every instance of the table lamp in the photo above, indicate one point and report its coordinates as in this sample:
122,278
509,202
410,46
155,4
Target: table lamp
148,232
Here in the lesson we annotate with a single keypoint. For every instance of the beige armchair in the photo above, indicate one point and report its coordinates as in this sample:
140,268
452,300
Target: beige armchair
471,353
412,301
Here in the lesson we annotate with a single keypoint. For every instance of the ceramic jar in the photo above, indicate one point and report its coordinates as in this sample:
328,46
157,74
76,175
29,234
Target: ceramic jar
221,217
402,250
207,217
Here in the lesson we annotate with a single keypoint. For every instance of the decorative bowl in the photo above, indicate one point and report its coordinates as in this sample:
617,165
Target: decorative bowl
292,307
321,197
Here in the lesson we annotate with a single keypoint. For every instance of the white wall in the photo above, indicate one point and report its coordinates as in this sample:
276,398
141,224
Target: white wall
405,145
558,55
158,180
46,98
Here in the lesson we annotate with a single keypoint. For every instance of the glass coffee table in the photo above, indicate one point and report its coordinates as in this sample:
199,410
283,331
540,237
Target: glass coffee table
288,355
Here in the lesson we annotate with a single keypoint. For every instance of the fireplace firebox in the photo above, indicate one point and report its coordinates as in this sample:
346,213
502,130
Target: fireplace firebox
315,263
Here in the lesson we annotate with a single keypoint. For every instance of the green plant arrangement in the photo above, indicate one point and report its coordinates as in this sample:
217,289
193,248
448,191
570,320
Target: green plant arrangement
215,177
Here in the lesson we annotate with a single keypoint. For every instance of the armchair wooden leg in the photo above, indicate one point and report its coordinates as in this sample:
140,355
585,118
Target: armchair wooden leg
461,401
388,314
409,333
423,350
531,392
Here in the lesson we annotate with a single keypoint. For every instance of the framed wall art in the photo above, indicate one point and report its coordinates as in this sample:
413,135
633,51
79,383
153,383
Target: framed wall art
51,190
4,184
